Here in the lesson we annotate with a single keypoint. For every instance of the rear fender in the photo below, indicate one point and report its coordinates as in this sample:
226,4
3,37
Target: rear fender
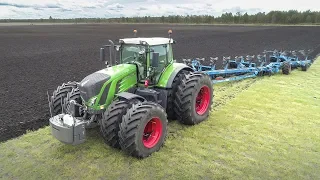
170,73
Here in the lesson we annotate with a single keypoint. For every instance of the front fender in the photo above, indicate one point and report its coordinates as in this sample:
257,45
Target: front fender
129,96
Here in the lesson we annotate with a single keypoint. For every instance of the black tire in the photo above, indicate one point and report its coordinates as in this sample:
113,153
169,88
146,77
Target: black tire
260,73
111,119
171,94
133,129
305,67
73,95
57,99
286,68
193,86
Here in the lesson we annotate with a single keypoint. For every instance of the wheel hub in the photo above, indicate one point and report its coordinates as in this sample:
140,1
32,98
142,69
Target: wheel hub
202,100
152,132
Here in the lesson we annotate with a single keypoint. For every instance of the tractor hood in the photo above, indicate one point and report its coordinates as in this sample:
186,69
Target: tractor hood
94,88
92,84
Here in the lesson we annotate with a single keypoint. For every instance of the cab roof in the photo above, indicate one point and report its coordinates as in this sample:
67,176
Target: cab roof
151,41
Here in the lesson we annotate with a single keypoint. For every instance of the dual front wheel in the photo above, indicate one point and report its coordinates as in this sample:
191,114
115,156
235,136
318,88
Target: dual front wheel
138,128
59,101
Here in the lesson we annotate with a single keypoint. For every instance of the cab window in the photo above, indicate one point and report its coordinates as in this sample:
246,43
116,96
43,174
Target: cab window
135,54
162,50
169,53
163,59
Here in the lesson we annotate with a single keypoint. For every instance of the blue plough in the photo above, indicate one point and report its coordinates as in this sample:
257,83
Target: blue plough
245,67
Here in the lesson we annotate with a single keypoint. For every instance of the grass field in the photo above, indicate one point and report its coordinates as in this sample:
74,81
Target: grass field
264,128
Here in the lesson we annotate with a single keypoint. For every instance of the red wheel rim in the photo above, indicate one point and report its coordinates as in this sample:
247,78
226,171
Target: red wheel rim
203,100
152,132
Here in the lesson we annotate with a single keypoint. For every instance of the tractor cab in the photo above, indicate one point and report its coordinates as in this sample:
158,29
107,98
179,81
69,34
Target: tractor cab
150,55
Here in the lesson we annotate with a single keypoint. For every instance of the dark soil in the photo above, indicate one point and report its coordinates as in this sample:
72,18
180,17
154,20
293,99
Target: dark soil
36,59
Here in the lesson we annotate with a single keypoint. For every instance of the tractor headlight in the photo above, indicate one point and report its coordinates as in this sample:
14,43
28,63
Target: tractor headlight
92,101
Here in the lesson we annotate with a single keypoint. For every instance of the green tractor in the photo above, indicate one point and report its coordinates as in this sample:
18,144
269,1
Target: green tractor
132,100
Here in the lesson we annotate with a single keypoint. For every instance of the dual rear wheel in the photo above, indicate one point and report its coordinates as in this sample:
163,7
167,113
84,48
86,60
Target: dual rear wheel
193,98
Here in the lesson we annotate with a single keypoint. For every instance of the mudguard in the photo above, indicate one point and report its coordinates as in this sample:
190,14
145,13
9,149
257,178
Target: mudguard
170,73
129,96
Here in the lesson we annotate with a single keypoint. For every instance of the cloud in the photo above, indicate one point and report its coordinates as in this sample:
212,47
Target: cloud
30,6
51,6
238,9
142,8
184,7
115,6
15,5
233,9
65,10
119,8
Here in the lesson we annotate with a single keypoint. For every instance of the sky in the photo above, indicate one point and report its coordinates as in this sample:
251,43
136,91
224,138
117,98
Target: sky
36,9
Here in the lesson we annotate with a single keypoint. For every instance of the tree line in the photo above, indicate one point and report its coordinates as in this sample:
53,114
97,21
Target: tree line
273,17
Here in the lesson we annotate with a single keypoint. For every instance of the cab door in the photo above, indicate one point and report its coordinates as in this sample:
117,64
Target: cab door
164,60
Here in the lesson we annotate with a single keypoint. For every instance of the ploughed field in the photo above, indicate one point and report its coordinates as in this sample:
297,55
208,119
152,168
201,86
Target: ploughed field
36,59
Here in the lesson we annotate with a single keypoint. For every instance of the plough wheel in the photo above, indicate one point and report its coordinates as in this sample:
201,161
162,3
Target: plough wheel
286,68
194,98
305,67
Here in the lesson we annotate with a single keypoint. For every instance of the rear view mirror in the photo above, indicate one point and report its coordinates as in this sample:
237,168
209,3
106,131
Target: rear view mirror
155,60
